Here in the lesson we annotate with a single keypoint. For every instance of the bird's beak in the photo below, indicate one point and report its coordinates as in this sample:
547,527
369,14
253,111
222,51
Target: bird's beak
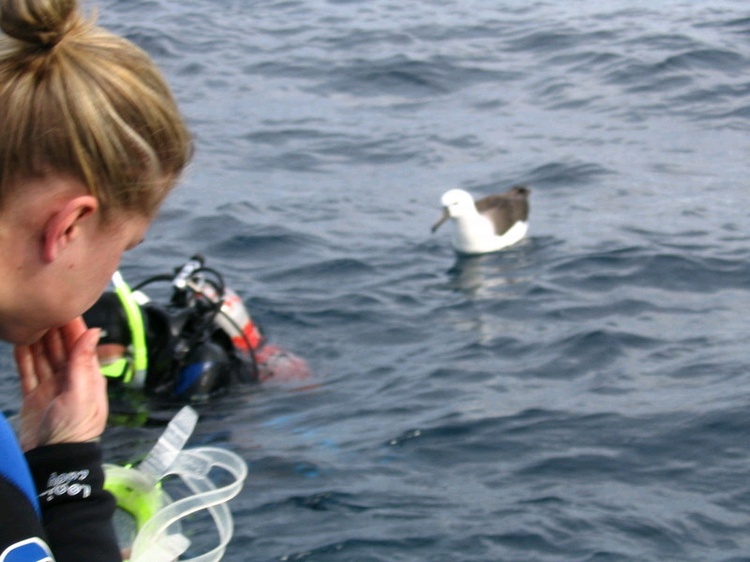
441,221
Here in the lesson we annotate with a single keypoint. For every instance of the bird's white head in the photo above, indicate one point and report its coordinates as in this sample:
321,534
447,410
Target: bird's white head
457,202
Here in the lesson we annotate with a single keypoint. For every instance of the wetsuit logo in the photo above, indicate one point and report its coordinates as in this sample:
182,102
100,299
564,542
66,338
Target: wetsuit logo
67,484
29,550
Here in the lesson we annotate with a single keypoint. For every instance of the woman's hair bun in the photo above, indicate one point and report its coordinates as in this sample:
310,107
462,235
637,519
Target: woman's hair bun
39,22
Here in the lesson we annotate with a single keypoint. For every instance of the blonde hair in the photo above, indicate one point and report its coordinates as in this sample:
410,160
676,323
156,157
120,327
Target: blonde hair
78,100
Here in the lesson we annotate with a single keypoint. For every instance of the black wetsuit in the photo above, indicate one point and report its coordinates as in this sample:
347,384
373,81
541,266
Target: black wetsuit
59,505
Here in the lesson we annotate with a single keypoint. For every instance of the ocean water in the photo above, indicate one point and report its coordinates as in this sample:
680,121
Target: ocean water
583,396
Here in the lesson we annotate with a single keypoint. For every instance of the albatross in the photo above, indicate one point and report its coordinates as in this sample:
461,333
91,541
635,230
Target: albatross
489,224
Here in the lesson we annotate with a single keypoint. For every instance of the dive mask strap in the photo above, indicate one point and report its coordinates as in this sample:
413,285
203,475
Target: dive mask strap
137,376
159,519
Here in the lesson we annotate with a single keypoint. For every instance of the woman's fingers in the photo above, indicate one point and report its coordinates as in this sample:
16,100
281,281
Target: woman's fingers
65,395
44,371
79,412
55,348
72,331
84,374
25,364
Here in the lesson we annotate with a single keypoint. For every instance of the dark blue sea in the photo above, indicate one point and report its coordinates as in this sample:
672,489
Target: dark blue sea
583,396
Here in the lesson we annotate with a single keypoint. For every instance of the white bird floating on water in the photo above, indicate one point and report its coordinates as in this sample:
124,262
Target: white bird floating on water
491,224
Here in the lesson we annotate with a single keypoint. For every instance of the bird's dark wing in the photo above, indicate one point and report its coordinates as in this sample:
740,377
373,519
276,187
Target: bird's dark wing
506,209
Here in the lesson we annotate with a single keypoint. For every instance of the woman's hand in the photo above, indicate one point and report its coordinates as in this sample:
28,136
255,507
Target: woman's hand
64,392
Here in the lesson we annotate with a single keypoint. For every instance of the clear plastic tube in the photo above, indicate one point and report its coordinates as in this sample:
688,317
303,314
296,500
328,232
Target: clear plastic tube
138,491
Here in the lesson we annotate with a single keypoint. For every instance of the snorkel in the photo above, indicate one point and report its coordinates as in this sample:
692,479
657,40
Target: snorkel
131,370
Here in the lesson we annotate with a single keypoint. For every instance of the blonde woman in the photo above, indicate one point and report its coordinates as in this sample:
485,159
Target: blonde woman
91,142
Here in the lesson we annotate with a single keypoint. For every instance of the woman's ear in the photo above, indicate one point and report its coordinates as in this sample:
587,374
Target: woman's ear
65,224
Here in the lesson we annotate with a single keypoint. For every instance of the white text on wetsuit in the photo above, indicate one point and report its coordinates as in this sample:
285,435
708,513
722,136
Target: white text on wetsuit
67,484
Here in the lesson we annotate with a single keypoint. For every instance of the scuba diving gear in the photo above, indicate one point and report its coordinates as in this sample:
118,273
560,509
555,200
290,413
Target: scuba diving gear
190,348
206,368
194,344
